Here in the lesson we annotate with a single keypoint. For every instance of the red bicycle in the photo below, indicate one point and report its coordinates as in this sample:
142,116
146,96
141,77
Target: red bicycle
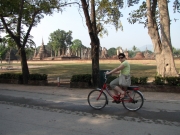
133,100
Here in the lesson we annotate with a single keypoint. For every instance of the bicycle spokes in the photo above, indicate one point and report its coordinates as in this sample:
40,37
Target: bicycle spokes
135,102
97,99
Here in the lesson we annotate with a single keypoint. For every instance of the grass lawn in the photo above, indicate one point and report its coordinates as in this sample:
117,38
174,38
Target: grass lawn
65,69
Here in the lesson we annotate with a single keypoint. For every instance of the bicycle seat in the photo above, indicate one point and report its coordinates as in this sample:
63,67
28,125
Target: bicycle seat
133,88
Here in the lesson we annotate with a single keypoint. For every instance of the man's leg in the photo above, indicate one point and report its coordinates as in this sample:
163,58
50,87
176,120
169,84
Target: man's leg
118,89
114,85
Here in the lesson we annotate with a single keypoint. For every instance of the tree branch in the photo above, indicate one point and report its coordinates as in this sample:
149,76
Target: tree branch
29,29
7,29
19,19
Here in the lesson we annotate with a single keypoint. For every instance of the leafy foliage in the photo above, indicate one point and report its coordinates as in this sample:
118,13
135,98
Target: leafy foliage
173,81
176,6
143,80
37,77
108,13
60,39
17,18
81,78
159,80
134,80
18,76
3,50
111,51
176,52
110,78
76,45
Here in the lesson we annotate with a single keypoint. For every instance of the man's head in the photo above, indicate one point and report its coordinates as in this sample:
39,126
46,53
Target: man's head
121,56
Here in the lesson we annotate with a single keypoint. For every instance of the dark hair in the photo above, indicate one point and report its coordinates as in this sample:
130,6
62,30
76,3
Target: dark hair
122,55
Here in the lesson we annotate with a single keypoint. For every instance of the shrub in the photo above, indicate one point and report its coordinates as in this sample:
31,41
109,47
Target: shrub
11,76
81,78
110,78
37,77
134,80
5,76
158,80
143,80
173,81
18,76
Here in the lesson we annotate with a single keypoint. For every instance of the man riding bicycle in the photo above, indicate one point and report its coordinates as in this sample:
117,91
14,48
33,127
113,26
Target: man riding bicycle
124,74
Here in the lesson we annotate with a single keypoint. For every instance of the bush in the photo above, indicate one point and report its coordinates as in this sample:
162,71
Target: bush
18,76
134,80
81,78
37,77
110,78
5,76
11,76
143,80
173,81
158,80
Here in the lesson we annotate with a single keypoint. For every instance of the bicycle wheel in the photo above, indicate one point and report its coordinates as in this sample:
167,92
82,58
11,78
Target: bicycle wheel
134,102
97,100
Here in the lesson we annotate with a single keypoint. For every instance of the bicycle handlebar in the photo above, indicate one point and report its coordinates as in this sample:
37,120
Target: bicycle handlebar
105,76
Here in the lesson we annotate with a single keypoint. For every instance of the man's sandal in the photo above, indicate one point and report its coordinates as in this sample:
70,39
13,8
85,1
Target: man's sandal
124,96
116,100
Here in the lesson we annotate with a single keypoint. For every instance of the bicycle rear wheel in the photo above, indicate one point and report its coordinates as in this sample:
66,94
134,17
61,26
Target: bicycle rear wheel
97,100
135,101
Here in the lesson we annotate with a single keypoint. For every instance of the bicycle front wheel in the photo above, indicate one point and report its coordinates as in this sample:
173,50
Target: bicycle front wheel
97,99
135,101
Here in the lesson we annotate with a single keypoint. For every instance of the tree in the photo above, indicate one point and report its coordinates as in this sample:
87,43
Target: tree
134,48
49,47
131,54
76,46
92,29
102,12
176,52
30,53
17,18
156,17
3,49
60,40
111,52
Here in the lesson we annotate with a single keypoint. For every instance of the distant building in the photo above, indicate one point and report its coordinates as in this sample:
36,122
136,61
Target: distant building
139,55
42,52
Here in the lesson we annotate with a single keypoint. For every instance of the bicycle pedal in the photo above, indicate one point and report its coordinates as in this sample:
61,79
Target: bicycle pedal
117,102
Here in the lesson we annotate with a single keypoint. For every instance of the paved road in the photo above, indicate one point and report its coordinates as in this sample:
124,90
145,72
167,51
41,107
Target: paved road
60,110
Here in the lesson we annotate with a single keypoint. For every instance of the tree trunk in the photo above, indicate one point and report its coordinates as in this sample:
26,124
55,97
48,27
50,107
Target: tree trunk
169,65
162,45
24,65
91,24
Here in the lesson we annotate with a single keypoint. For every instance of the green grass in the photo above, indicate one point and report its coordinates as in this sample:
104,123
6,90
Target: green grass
66,70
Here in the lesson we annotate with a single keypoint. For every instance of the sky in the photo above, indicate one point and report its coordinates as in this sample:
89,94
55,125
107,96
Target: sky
71,19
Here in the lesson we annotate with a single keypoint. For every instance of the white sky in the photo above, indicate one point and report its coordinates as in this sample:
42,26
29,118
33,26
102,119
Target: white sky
70,19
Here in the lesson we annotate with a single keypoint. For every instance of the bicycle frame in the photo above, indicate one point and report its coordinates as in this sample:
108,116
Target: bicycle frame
109,93
105,87
132,96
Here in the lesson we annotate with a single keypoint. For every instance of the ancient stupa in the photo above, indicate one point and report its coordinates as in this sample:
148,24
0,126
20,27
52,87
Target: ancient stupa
139,55
42,52
126,53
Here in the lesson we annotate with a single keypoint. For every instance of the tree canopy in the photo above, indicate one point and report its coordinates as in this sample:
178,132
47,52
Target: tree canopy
17,18
60,39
